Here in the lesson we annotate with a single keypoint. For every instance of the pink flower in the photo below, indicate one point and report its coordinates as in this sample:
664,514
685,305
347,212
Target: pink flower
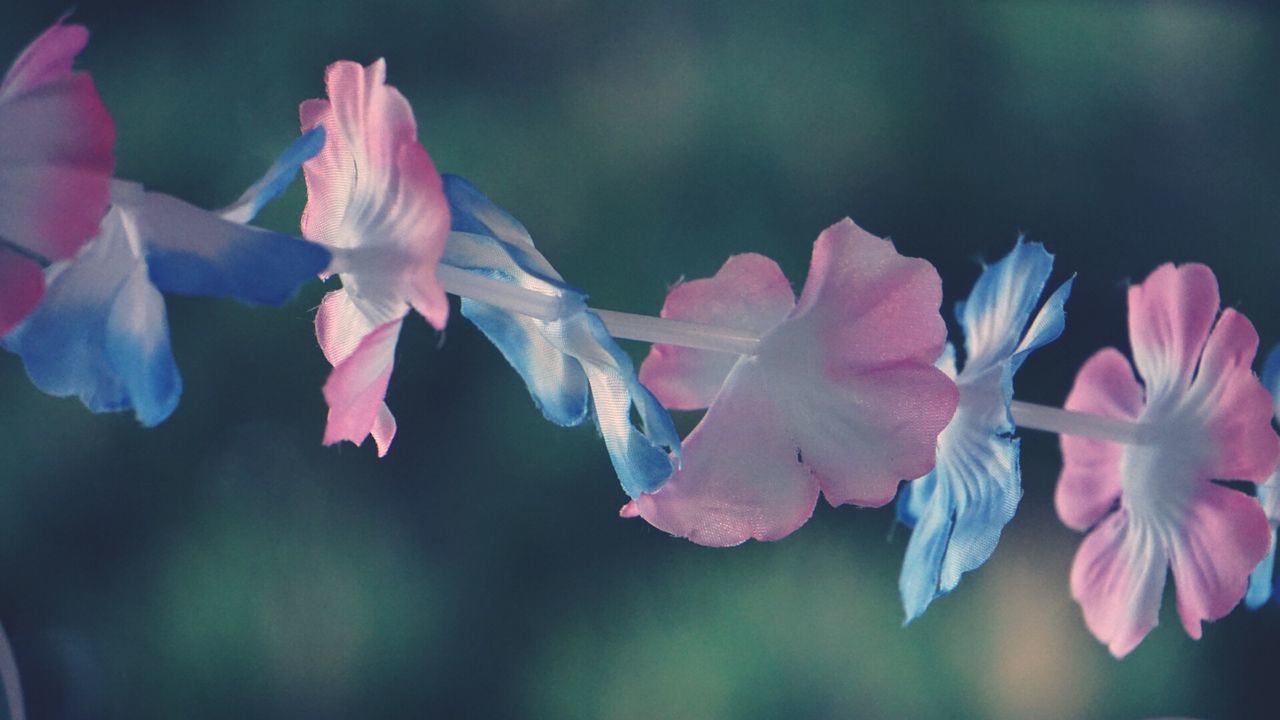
375,199
841,396
55,165
1152,507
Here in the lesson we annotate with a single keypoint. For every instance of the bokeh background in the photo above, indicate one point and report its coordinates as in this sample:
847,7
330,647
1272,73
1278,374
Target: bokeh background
227,565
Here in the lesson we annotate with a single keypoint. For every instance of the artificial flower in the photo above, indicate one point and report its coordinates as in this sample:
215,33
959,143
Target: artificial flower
958,510
101,332
375,199
55,165
571,365
1152,507
841,395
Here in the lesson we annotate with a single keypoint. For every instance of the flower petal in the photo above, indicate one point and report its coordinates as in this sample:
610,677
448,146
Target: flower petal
1170,314
867,408
843,393
931,514
742,478
100,333
1117,577
340,326
137,348
55,148
565,361
277,179
356,388
750,293
46,60
194,252
977,483
1260,580
1089,484
555,380
1237,406
374,192
997,310
1224,537
21,287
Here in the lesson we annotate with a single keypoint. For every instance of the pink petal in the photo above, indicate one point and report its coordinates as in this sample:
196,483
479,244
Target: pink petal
1170,314
859,289
1090,481
741,479
374,192
868,410
55,149
356,388
340,326
47,59
1239,407
842,396
1117,577
748,293
1225,535
21,287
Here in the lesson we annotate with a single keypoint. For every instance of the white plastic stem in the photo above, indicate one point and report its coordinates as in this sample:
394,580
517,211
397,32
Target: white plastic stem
498,293
646,328
1071,422
626,326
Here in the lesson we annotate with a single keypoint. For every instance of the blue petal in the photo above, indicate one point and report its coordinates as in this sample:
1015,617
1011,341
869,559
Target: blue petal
1260,585
1048,325
472,212
642,459
278,177
1271,377
960,510
194,252
137,347
556,381
922,565
1003,298
568,362
100,334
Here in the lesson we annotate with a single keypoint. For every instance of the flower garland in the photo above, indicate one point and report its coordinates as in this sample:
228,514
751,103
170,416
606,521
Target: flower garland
845,391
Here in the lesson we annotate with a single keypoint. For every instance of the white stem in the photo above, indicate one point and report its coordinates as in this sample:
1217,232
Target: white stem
647,328
626,326
499,293
1071,422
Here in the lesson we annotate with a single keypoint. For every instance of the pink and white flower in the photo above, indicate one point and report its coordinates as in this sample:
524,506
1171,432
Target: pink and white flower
1152,507
375,200
841,397
55,165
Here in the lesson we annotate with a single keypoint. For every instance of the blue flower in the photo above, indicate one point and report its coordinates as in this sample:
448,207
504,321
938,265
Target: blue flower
958,510
101,331
571,364
1261,586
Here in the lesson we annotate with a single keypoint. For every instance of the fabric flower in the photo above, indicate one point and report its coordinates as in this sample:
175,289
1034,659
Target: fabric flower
571,364
841,396
958,510
1152,507
101,332
1260,582
55,165
374,198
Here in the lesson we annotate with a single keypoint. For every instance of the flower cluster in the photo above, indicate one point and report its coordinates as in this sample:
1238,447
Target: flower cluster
850,390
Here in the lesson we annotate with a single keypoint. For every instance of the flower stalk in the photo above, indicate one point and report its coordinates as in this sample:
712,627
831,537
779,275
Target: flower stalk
651,329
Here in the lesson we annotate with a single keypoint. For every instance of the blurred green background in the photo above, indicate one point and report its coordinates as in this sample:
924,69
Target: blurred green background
226,565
